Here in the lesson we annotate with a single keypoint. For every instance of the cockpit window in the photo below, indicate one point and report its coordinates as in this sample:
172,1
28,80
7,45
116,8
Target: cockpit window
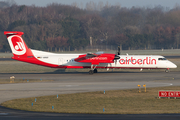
161,58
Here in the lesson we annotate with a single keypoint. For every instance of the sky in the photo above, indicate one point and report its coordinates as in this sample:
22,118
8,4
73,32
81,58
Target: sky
124,3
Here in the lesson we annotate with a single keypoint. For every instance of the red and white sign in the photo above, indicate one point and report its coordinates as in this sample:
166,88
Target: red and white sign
166,93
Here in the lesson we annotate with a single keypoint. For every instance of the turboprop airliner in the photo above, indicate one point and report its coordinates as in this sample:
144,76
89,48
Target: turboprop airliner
93,61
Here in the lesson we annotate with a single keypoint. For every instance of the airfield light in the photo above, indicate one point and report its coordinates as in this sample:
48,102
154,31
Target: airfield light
144,87
139,88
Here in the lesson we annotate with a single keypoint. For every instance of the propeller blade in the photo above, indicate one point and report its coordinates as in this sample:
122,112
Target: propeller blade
116,57
118,50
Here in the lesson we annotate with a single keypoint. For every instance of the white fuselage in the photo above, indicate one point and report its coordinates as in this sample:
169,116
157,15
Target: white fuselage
125,61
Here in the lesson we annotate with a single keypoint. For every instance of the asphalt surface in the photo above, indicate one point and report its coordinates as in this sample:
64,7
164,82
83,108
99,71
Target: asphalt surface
24,115
81,82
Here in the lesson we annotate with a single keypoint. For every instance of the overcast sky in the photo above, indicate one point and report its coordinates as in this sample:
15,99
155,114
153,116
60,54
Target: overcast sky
123,3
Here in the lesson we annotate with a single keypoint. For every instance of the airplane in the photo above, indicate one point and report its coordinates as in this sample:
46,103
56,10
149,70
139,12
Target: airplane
93,61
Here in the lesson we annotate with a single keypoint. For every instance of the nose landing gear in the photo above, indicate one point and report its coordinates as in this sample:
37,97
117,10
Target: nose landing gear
167,70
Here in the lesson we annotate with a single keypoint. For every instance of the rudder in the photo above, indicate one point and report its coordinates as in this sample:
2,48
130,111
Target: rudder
17,44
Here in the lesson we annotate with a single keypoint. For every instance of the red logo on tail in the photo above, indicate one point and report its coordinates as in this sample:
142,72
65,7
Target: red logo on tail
17,43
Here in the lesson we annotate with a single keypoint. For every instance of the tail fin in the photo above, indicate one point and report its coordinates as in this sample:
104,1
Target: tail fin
17,44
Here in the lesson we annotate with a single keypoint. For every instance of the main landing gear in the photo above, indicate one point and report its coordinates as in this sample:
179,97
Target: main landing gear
93,70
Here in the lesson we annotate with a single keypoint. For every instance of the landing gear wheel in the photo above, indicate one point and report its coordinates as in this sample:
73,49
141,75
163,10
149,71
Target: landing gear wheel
95,71
166,71
91,72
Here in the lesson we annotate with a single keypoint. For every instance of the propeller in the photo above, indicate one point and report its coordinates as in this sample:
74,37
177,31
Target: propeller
116,57
118,50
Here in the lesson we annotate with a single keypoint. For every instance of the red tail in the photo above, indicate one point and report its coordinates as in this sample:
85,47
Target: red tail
17,44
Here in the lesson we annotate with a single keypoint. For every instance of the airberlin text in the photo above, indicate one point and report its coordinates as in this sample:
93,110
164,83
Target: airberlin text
99,58
134,61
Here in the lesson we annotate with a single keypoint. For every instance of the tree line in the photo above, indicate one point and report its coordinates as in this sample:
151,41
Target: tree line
71,27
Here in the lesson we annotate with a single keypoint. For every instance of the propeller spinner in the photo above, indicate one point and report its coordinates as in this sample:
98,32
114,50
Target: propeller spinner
116,57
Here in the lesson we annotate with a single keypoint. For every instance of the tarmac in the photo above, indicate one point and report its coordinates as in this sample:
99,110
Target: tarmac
66,83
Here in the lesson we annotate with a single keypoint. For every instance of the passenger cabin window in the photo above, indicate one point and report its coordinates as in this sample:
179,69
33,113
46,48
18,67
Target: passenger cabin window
161,58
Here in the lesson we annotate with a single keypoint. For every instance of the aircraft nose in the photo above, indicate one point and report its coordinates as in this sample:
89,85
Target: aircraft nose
172,65
175,66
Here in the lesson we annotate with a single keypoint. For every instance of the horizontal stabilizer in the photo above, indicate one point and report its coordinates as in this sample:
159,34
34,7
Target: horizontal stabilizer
9,33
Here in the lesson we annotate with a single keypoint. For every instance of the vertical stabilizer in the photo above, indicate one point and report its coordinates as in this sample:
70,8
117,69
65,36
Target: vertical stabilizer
17,44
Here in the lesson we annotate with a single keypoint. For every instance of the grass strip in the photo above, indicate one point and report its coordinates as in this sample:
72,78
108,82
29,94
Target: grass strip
7,81
113,102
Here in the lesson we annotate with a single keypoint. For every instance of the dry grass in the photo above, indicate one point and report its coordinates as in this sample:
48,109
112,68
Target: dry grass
7,81
21,67
114,102
6,55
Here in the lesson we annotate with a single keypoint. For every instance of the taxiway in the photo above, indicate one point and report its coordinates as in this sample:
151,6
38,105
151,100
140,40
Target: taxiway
65,83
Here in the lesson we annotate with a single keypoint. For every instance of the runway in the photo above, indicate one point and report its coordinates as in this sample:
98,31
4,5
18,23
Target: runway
65,83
